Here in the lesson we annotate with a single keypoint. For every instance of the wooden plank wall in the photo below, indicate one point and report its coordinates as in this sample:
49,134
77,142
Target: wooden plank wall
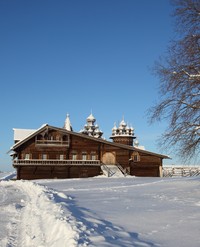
48,172
148,166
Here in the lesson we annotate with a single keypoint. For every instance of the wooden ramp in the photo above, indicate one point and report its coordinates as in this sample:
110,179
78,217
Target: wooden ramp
112,171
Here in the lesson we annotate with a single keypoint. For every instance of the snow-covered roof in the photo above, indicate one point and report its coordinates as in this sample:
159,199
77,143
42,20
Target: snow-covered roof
20,134
25,137
140,147
13,148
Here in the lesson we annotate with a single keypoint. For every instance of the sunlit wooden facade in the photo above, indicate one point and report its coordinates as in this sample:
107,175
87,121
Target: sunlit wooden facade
52,152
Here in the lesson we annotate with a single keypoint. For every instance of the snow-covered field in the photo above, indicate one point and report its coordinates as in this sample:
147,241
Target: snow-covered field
100,212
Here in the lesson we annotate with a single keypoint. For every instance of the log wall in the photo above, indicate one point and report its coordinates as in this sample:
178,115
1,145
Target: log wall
61,172
148,166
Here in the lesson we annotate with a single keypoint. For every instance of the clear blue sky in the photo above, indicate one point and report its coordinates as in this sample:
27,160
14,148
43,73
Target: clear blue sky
59,57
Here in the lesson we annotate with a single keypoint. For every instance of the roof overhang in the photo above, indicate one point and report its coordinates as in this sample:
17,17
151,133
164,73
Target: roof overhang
100,140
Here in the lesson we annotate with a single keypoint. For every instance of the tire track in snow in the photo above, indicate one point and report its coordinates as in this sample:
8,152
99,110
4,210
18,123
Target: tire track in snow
113,187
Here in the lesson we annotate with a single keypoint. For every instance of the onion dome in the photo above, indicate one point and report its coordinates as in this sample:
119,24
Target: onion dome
96,130
91,118
120,127
123,124
136,143
115,127
90,128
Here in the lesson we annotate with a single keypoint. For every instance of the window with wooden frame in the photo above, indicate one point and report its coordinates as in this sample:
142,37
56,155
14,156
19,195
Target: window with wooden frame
57,137
61,156
44,156
65,140
93,156
74,155
27,156
84,156
135,157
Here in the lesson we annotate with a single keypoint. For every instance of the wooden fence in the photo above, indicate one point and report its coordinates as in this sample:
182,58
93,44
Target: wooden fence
183,171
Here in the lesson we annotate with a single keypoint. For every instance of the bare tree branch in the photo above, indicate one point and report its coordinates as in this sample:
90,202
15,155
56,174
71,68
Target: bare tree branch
179,74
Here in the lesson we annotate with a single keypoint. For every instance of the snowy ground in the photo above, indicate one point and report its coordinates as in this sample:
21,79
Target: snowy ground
100,212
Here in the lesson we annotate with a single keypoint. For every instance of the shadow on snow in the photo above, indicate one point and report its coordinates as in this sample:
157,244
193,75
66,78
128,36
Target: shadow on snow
95,231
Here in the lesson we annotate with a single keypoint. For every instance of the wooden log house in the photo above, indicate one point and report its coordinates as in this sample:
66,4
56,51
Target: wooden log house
52,152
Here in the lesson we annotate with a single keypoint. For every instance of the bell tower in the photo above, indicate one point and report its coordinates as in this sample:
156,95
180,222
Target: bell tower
123,134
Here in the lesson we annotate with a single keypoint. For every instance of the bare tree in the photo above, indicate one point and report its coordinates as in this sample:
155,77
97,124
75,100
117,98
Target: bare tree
179,74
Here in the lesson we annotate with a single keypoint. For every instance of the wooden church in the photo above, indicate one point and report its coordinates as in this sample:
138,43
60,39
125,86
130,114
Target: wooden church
52,152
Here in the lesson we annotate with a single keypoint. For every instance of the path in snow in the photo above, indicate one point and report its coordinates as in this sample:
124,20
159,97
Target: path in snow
10,205
30,217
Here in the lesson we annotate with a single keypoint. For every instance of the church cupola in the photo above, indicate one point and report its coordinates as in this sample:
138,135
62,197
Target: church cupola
90,128
123,134
91,120
67,124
